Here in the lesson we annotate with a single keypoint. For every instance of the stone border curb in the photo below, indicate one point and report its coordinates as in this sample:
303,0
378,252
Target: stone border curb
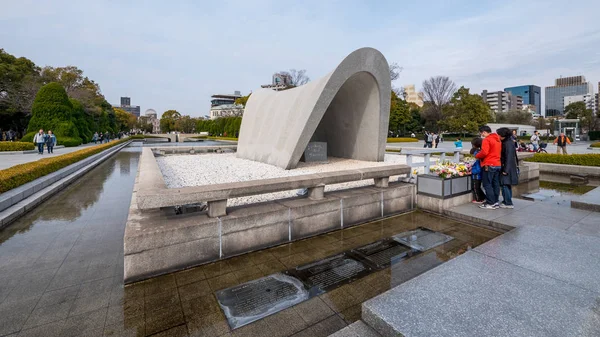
24,198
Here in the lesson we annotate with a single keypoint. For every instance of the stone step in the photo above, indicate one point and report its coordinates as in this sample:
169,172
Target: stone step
356,329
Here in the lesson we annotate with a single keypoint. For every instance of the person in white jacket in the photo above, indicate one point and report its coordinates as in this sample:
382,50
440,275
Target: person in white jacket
39,139
535,140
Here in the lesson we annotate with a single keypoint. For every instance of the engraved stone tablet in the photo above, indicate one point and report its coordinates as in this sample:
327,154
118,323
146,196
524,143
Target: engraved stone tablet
382,253
315,151
251,301
422,239
330,273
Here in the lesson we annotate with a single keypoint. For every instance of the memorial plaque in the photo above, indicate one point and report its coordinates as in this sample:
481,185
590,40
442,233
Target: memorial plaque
315,152
382,253
422,239
251,301
330,273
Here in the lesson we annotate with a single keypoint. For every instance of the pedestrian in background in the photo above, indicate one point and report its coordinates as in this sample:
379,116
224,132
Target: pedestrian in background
535,140
561,143
50,141
39,139
95,138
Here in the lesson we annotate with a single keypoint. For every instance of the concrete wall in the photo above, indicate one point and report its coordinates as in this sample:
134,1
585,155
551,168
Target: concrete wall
348,108
158,241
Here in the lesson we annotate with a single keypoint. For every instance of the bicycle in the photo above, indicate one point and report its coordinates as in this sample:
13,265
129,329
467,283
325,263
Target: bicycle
542,148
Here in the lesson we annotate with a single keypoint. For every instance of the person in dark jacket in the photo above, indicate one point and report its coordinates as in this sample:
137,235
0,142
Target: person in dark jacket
509,173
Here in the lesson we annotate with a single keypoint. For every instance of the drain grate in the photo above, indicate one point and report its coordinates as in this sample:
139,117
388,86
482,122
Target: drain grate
422,239
330,273
251,301
382,253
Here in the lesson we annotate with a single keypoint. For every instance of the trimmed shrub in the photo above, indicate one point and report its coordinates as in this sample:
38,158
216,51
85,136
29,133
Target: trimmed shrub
597,144
21,174
592,159
223,138
402,140
144,136
68,141
16,146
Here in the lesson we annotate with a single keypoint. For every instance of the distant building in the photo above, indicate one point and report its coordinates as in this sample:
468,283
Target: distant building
412,96
563,87
152,118
502,101
220,99
126,106
532,95
280,81
532,109
589,100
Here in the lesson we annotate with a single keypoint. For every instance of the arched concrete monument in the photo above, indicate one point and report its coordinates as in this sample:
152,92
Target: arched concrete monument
348,109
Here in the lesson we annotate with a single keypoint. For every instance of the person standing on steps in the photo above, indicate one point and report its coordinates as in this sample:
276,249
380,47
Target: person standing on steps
561,143
509,174
50,141
39,139
489,155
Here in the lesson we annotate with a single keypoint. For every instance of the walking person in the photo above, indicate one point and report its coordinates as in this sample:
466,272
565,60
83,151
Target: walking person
509,174
489,155
39,139
95,138
50,141
426,139
478,195
101,139
458,144
535,140
515,139
437,140
561,143
429,139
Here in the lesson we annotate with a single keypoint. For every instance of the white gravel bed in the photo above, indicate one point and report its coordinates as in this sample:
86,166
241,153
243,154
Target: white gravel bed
207,169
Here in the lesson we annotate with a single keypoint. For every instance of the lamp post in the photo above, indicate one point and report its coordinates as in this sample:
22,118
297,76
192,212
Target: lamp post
464,130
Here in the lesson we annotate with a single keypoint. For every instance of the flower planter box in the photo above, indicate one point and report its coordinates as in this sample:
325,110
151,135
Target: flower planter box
437,187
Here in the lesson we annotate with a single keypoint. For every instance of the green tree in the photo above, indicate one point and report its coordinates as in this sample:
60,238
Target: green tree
52,110
168,119
243,100
575,110
185,124
514,117
399,116
579,110
125,120
465,112
416,123
83,121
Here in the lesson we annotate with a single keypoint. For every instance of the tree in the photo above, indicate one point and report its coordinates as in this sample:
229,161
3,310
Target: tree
52,110
297,77
395,71
574,110
125,120
399,115
579,110
465,112
243,100
185,124
514,117
168,119
437,91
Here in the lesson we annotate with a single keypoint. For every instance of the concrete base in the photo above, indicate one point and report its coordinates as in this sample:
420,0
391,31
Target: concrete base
439,206
159,241
589,201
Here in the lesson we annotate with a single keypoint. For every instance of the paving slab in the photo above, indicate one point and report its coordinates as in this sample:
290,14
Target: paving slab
356,329
590,225
478,295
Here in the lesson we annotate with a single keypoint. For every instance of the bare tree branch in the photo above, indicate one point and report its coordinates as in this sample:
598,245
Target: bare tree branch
437,91
395,71
297,77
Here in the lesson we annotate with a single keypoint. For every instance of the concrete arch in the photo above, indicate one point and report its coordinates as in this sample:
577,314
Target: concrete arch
348,108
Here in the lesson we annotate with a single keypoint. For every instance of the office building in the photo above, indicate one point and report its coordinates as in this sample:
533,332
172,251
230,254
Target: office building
502,101
589,100
220,99
532,95
563,87
224,106
412,96
126,106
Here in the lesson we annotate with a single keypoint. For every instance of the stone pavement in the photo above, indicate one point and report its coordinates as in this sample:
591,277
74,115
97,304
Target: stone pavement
448,144
7,161
540,279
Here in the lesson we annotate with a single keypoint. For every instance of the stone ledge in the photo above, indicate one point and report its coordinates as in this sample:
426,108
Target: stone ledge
590,201
28,196
356,329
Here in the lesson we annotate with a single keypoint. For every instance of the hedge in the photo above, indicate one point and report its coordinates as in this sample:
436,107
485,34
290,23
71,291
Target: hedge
16,146
594,135
223,138
402,140
18,175
591,159
145,136
597,144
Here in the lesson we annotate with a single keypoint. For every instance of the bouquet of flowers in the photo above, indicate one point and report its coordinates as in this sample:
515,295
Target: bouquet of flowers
447,169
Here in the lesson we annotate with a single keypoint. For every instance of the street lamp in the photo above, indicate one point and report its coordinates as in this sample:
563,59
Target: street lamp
464,130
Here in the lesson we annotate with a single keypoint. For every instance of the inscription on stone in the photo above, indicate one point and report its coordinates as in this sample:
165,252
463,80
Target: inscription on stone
330,273
422,239
251,301
381,253
315,152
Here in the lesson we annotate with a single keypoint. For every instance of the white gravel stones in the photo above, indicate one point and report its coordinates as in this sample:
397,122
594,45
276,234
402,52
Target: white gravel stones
207,169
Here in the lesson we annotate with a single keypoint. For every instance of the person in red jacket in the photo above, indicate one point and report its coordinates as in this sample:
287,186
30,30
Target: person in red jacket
491,148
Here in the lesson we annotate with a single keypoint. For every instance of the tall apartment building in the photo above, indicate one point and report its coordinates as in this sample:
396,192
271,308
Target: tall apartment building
532,95
126,106
589,100
502,101
412,96
563,87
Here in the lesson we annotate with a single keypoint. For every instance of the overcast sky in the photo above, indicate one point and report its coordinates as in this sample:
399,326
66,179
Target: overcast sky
176,54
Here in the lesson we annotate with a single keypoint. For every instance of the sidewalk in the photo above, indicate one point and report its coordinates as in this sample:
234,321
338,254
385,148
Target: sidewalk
7,161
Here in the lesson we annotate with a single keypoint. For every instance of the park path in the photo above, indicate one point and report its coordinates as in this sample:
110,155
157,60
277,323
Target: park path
9,160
